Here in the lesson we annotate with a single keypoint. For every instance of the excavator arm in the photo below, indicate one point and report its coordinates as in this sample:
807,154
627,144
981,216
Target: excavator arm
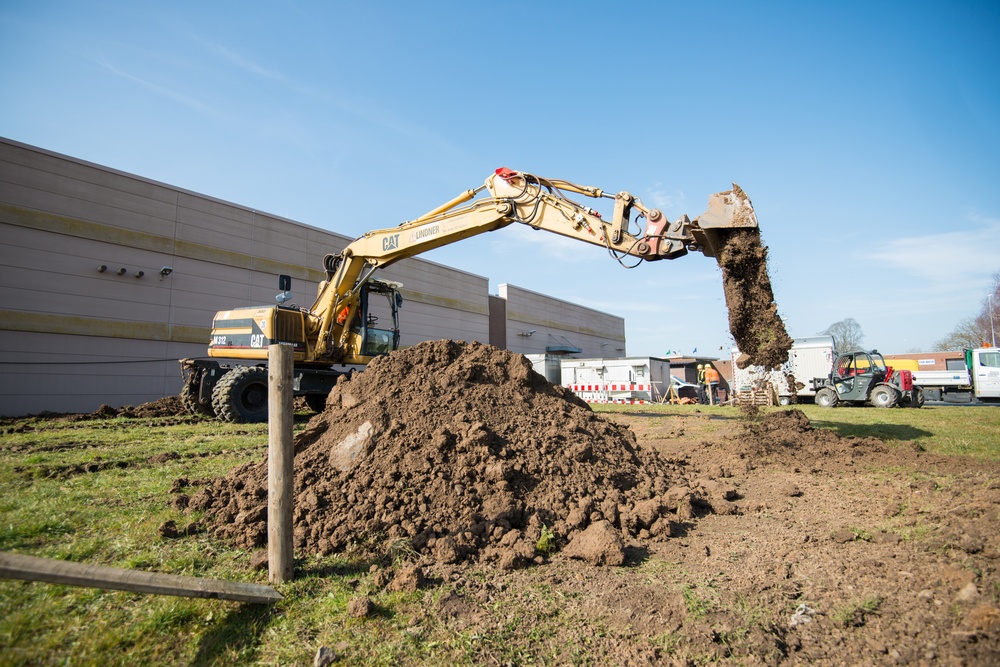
516,197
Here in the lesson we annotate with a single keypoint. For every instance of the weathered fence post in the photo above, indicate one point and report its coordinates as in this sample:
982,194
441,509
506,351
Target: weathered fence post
280,457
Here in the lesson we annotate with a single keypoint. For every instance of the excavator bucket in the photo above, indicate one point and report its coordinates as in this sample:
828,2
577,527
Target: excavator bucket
728,231
726,211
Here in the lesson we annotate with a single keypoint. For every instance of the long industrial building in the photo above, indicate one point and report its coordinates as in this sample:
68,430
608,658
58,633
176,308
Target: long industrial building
107,279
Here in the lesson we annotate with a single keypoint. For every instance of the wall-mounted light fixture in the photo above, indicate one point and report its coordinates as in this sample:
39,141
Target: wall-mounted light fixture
525,333
122,271
102,268
140,274
166,271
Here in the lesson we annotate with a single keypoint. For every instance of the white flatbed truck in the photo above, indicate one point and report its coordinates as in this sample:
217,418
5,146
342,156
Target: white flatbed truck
980,379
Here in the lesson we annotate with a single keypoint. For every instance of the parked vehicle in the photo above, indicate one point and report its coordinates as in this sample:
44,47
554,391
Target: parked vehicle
684,389
980,379
863,377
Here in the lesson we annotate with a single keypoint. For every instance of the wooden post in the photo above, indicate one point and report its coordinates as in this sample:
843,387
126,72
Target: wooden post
30,568
280,455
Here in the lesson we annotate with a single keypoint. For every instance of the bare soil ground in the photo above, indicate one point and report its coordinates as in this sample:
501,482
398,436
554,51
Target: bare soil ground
636,538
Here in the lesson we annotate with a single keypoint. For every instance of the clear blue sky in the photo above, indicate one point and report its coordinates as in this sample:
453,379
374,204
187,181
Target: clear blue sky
866,133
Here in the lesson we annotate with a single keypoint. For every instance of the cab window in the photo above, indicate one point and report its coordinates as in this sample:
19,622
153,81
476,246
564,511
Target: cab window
989,359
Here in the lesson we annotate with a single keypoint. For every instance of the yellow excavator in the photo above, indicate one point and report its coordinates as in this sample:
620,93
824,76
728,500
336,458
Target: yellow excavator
340,329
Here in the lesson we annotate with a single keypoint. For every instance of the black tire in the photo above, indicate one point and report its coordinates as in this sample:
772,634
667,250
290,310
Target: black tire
883,396
316,402
241,395
918,398
189,399
826,397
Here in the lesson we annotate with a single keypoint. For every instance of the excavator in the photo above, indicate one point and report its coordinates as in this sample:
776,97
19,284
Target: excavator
340,327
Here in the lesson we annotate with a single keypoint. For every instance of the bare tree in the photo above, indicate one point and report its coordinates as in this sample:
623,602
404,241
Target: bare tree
989,317
978,330
968,333
847,335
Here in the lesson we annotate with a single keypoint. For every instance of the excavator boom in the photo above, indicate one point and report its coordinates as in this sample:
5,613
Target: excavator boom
520,197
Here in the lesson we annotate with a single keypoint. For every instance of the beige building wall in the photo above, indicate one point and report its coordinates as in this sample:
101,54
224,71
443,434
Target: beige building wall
539,324
73,337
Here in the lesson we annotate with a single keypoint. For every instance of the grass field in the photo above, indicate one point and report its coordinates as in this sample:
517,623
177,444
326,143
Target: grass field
969,430
97,491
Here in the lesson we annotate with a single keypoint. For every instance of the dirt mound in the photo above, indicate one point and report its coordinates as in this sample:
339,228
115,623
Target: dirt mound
753,315
788,436
466,453
169,406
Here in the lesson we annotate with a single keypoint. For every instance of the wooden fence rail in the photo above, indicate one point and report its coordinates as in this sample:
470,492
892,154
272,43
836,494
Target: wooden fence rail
30,568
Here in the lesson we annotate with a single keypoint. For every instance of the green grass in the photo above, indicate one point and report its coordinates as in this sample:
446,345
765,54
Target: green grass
93,492
52,505
857,612
939,429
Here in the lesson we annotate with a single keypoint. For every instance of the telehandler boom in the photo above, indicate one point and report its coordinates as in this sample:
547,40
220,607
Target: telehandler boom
338,328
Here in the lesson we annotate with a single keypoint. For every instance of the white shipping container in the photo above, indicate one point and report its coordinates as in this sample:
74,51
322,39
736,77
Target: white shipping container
618,379
810,357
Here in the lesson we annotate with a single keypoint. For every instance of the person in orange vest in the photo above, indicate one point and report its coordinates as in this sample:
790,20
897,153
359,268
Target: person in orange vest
712,380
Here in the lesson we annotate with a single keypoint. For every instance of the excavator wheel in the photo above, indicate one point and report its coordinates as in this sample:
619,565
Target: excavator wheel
189,399
241,395
883,396
826,397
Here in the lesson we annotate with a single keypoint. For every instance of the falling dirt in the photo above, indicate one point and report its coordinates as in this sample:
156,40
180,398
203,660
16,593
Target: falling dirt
675,540
753,315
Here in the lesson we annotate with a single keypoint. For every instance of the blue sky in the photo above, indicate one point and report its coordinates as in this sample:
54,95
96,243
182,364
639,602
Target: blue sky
867,134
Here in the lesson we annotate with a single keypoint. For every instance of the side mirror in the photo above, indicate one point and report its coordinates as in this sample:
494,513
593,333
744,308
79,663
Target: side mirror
285,283
399,300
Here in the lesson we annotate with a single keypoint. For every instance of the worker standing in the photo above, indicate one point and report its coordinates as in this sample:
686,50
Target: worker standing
712,380
702,397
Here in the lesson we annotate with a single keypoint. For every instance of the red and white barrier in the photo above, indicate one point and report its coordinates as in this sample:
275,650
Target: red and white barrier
609,387
600,393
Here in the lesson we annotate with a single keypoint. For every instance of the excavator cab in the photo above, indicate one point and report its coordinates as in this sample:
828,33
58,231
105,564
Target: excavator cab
855,375
378,340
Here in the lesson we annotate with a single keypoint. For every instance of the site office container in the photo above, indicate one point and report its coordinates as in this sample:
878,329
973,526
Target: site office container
810,357
599,380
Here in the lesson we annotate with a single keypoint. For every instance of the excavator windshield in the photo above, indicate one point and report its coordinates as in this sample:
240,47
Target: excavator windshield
376,339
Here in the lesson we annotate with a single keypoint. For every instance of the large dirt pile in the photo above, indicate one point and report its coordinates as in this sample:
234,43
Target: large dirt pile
468,454
753,315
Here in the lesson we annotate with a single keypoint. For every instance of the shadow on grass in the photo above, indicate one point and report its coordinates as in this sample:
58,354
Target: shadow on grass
235,639
699,413
349,568
880,431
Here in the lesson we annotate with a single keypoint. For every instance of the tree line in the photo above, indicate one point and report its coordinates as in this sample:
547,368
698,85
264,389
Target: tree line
979,330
